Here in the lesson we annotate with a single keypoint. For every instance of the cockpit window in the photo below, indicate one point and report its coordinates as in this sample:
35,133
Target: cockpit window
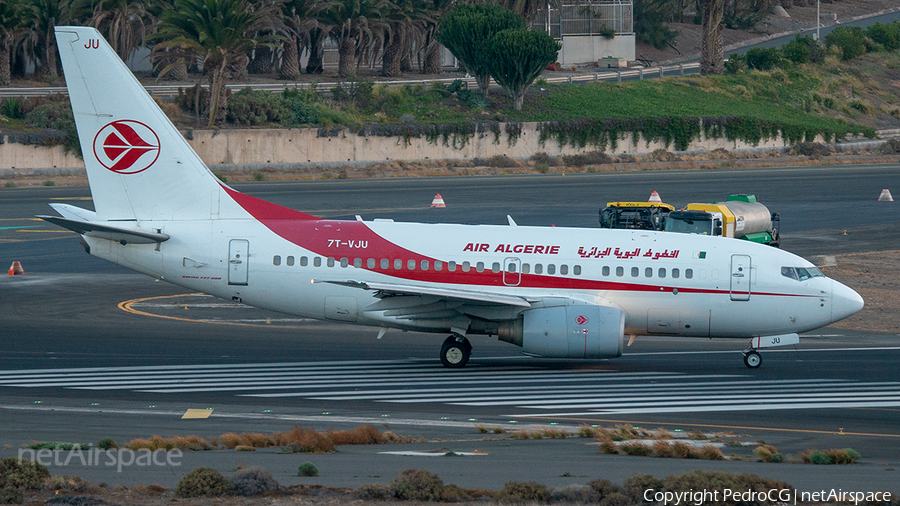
801,273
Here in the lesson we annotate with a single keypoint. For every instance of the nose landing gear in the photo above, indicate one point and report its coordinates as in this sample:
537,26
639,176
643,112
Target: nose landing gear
752,358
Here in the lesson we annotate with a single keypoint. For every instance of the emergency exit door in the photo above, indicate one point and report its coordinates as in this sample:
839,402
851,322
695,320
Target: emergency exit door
238,261
740,277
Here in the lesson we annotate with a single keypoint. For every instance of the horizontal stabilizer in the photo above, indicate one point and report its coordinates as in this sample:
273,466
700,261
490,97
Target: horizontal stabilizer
121,235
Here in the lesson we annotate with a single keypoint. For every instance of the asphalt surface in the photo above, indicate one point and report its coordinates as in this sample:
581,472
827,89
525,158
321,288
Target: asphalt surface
74,366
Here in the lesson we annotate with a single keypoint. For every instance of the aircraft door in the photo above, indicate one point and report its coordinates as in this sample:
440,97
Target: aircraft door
512,271
238,261
740,277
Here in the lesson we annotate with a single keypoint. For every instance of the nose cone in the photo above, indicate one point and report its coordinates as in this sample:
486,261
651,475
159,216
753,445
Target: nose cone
844,301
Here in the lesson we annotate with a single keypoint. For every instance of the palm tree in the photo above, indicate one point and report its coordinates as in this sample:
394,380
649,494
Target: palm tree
711,46
352,24
9,25
39,18
406,23
214,34
124,23
299,18
432,49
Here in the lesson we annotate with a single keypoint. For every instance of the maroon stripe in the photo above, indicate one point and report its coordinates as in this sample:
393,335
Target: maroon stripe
336,239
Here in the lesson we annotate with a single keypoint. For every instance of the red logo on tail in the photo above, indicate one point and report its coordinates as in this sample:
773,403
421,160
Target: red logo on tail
126,146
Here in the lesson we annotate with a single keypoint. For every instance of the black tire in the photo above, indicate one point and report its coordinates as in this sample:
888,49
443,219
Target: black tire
455,354
752,359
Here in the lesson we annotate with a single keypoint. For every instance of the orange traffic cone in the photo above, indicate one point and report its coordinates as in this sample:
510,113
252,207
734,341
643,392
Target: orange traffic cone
654,197
16,269
438,201
885,196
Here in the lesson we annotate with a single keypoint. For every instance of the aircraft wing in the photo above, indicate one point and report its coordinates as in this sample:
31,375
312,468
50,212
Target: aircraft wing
384,290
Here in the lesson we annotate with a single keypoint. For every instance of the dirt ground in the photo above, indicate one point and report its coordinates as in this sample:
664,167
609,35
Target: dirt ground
875,276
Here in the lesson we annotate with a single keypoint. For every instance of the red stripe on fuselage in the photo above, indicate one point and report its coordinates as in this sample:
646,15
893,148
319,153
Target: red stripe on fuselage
336,239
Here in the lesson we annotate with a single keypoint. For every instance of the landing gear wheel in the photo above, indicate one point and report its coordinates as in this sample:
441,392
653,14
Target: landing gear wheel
752,359
455,352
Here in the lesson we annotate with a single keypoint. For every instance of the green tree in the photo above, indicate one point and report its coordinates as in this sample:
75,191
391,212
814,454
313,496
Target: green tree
9,26
516,57
405,27
650,17
123,23
851,40
214,34
431,48
39,18
299,18
467,28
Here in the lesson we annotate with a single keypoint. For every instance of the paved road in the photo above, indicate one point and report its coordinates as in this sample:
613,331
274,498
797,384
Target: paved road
74,366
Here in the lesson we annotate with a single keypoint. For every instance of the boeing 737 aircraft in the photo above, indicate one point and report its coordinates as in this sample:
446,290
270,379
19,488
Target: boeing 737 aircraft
553,291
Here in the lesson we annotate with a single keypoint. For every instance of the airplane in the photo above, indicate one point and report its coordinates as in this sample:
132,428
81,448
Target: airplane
555,292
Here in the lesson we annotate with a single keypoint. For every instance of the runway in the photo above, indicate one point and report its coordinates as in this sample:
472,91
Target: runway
115,354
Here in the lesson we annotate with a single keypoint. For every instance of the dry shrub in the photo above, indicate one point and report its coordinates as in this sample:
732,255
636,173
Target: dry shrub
661,155
390,437
149,490
587,431
635,486
204,482
254,481
765,453
662,433
362,435
697,436
372,492
719,480
544,158
575,494
71,484
519,434
304,440
628,432
155,443
663,449
684,451
229,440
589,158
814,150
416,485
832,456
244,448
608,447
710,452
552,433
890,147
515,492
636,448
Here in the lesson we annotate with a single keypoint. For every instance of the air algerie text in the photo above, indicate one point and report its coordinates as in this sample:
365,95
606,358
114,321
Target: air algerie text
537,249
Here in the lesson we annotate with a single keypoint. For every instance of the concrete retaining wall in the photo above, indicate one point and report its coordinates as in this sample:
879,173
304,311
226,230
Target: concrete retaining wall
288,148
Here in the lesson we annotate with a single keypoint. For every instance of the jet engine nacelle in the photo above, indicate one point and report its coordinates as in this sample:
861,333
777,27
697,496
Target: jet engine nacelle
570,331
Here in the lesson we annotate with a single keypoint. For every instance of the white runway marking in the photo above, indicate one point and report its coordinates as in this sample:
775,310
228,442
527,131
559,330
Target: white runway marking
534,391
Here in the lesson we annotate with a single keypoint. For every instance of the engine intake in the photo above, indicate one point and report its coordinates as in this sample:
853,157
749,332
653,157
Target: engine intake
570,331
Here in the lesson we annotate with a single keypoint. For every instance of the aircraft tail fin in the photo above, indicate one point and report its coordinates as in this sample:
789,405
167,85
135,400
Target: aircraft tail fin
139,165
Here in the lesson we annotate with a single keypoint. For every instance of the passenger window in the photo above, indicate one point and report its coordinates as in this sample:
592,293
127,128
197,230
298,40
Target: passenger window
576,270
370,263
398,264
345,261
495,267
276,260
330,262
551,269
411,264
385,263
563,269
466,266
648,272
676,273
290,261
438,265
635,272
620,271
606,270
304,261
538,268
688,273
451,266
662,272
526,268
424,265
479,267
357,262
317,262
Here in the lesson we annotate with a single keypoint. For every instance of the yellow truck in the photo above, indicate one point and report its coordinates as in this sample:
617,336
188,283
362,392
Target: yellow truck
740,217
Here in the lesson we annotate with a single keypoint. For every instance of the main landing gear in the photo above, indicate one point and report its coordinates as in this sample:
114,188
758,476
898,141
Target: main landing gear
455,351
752,358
